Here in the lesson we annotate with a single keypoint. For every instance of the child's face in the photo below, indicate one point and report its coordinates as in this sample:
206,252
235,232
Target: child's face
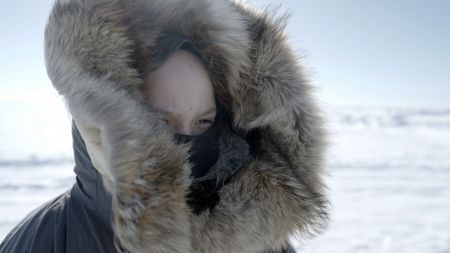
182,88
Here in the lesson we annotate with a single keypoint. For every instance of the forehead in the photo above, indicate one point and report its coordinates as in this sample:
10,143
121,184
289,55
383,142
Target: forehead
180,85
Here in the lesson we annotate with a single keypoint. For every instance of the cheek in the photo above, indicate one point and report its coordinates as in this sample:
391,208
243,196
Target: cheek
149,98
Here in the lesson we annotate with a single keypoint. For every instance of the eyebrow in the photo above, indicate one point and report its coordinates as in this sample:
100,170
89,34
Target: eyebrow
212,109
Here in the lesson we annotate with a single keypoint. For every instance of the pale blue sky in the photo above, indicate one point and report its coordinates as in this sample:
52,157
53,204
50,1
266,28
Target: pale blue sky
384,52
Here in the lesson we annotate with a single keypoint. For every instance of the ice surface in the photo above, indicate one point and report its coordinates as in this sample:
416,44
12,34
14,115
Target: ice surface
389,182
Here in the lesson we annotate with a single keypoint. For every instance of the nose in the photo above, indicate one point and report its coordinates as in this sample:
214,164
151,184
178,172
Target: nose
185,129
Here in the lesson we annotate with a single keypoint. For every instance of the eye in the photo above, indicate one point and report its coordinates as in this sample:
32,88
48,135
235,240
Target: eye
206,121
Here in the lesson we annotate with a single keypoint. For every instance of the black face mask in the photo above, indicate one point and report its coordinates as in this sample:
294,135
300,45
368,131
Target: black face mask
204,150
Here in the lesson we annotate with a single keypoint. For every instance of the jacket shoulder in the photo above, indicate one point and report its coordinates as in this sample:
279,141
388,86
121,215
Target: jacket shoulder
34,233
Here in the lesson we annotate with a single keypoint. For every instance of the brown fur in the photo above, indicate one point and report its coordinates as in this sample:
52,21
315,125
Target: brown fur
93,51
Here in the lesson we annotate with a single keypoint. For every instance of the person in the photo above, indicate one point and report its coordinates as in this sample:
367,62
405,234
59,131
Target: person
149,176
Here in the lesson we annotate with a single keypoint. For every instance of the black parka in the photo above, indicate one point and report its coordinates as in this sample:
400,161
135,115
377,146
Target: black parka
272,146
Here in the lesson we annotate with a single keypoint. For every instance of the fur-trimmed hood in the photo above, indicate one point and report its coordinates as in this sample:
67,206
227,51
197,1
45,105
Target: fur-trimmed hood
93,50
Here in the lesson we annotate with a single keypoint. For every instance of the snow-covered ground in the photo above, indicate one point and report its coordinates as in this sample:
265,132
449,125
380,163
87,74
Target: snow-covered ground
389,182
389,174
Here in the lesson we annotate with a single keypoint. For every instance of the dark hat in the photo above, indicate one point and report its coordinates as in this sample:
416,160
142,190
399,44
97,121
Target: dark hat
167,44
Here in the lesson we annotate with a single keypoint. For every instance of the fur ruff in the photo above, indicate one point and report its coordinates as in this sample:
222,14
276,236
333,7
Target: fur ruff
93,49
